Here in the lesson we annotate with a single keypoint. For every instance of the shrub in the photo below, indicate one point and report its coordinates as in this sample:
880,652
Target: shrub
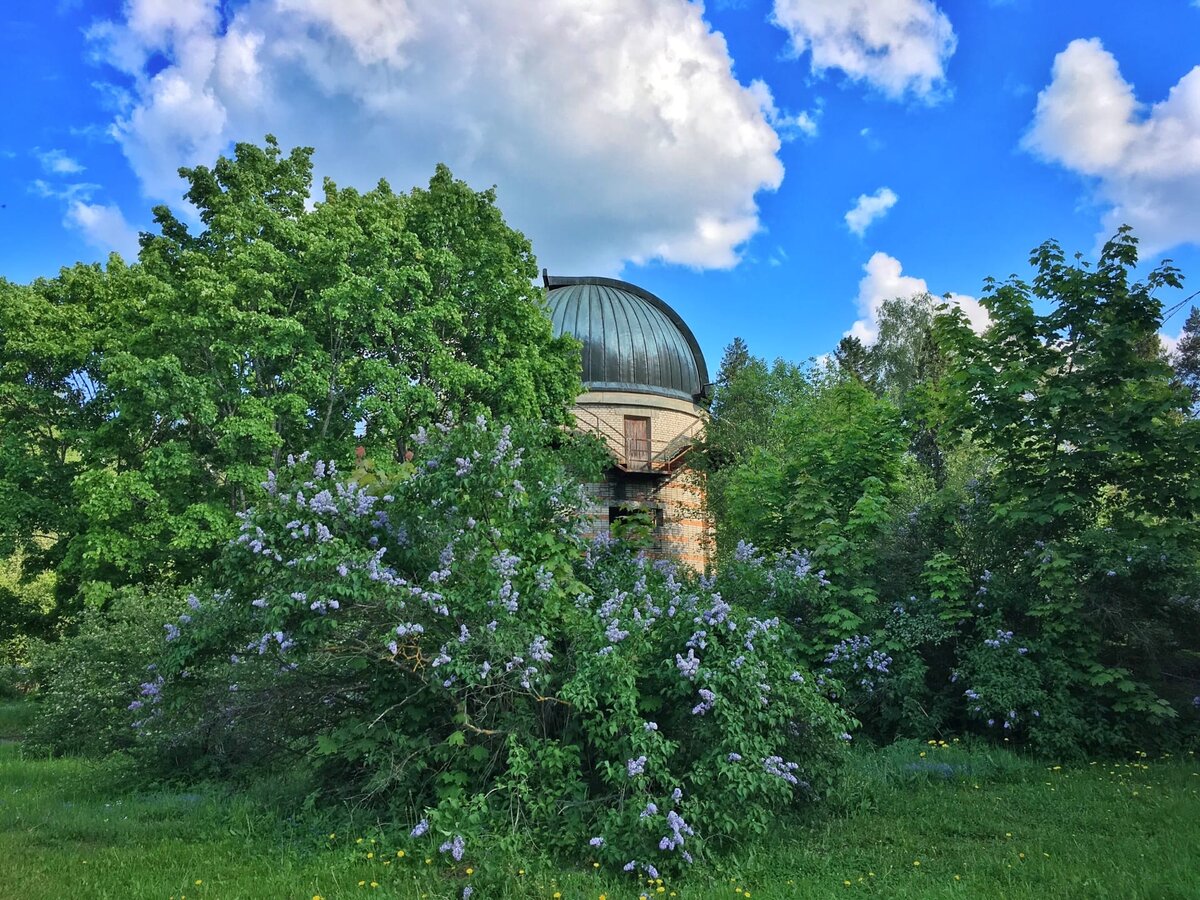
455,651
86,681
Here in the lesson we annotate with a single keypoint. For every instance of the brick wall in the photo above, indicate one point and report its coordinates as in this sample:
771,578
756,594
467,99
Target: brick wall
684,534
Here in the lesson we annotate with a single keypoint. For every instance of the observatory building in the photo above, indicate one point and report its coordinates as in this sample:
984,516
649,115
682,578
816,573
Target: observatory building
645,383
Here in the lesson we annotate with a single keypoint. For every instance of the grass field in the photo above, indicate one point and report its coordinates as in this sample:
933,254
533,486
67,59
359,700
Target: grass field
952,823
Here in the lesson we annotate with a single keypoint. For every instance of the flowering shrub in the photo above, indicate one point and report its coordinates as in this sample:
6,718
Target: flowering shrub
454,649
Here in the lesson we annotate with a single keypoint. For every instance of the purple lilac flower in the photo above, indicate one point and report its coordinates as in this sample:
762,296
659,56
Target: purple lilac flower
688,666
467,892
422,827
650,810
539,649
596,842
734,757
635,767
455,847
706,702
193,602
775,765
651,726
172,631
261,603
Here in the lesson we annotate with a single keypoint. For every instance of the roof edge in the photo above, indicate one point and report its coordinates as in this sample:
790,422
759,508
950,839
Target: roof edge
556,281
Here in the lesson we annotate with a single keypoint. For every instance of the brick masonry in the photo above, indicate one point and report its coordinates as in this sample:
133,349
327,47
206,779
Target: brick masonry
671,488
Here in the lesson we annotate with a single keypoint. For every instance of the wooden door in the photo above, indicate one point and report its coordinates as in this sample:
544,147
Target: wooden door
637,443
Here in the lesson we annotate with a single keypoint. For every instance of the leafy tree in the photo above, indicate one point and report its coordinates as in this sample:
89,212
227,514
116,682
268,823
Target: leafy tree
280,325
853,358
1093,491
1187,355
1076,404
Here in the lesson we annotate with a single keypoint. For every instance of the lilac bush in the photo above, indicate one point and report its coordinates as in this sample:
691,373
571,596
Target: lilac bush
447,641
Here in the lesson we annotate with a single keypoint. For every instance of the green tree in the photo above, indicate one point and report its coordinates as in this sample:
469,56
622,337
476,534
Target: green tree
1186,360
853,358
1076,404
280,325
1093,488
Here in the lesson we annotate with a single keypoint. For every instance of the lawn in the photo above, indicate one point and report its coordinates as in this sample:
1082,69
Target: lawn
978,823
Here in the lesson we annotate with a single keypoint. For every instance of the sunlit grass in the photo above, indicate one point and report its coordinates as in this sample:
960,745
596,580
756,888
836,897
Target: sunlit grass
957,823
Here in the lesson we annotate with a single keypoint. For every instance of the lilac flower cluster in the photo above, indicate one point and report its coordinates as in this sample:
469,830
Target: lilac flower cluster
280,638
775,765
707,698
454,847
1002,637
635,767
854,658
688,666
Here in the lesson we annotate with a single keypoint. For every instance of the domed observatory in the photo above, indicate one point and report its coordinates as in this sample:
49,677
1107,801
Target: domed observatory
645,382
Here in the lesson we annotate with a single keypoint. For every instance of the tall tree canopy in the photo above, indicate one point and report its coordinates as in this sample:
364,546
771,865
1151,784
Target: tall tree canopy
152,397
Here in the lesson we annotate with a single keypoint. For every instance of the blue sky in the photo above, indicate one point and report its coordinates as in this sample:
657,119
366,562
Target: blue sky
709,153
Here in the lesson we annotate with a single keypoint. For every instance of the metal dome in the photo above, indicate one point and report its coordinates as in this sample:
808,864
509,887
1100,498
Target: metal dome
632,340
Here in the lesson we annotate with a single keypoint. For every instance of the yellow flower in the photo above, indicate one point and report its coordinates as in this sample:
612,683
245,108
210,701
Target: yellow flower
358,840
660,889
199,881
470,871
846,883
333,835
916,862
922,754
557,895
429,860
400,854
1021,855
520,871
374,884
362,884
370,856
318,897
595,865
958,878
603,897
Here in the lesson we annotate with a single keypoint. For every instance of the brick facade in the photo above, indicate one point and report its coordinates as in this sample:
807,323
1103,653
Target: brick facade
666,486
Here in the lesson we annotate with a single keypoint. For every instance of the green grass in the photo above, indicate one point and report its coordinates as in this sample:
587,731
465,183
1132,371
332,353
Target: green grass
1127,830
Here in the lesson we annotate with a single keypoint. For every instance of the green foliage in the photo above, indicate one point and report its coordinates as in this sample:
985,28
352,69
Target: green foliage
85,682
452,650
141,405
27,606
1186,360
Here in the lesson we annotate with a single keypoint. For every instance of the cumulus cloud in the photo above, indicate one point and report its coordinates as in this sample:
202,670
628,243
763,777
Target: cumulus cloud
868,208
885,280
899,47
616,132
102,226
56,162
1144,162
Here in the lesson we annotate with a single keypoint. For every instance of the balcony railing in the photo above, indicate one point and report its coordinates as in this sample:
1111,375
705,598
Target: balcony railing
641,454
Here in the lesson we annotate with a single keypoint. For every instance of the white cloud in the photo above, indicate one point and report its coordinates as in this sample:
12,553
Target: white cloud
1144,163
56,162
868,208
102,226
884,280
897,46
615,130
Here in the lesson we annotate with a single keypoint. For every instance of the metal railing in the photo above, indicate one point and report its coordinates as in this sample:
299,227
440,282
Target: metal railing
641,454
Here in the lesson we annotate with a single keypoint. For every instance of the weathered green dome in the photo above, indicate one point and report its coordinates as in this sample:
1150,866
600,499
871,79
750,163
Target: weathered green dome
632,340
